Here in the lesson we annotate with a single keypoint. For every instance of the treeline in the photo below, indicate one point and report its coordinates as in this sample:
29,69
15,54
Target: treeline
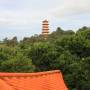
67,51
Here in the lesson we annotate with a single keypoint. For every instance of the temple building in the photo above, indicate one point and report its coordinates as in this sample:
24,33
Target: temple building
45,28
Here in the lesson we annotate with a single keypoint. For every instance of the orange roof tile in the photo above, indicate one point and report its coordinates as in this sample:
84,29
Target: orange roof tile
49,80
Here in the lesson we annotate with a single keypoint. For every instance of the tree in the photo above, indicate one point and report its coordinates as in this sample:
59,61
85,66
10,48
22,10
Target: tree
19,63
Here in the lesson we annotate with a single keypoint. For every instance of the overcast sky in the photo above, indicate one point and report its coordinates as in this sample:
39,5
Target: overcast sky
23,17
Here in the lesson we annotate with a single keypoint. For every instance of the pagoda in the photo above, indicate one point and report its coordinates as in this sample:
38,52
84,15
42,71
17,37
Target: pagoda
45,28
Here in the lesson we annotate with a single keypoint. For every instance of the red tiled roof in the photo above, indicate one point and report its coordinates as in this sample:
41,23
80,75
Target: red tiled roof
50,80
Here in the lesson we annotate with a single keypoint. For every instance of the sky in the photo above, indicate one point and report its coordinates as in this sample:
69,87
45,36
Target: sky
23,18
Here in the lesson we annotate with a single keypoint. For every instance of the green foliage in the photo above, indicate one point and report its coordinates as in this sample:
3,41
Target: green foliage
18,63
43,56
13,60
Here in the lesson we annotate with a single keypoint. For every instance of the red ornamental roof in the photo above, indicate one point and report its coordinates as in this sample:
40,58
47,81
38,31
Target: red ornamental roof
50,80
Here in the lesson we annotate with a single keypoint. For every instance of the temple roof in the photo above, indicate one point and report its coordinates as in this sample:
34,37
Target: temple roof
49,80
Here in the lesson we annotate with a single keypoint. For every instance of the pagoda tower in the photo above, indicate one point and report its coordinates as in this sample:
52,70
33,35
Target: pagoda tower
45,28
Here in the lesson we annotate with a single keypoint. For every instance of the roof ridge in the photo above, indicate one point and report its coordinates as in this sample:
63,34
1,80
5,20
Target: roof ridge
6,74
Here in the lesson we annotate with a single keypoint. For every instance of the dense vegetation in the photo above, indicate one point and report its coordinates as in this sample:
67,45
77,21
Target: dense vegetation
64,50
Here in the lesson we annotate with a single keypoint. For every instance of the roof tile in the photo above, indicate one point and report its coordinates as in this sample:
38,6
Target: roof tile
49,80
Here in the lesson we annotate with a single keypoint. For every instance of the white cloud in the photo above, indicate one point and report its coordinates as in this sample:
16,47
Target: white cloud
7,1
72,7
22,17
25,12
15,18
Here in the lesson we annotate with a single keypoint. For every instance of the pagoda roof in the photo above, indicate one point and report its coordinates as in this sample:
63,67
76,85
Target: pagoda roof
45,20
48,80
